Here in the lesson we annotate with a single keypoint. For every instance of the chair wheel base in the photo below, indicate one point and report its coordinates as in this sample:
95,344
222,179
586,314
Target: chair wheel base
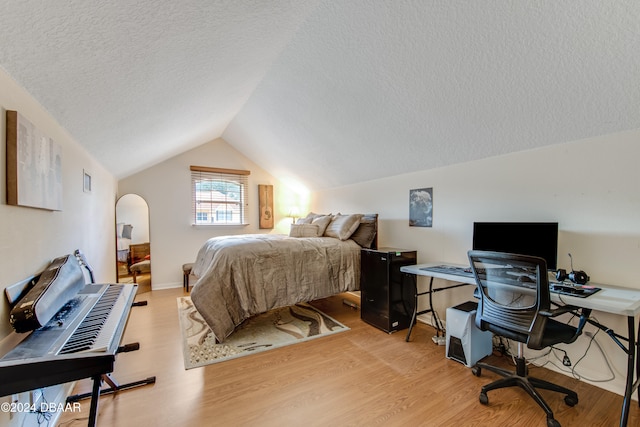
570,400
484,399
552,422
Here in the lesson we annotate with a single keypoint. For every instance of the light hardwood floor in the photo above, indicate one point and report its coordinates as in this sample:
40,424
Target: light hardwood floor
362,377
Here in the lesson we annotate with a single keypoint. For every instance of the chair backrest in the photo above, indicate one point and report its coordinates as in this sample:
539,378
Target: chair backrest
513,289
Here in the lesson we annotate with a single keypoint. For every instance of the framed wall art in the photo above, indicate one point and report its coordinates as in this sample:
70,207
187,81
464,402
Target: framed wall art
86,181
421,207
265,200
34,166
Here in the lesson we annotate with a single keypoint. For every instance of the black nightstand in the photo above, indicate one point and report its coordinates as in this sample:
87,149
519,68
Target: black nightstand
382,289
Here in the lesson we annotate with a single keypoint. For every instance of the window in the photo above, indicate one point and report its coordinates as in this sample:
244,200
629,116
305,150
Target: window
219,196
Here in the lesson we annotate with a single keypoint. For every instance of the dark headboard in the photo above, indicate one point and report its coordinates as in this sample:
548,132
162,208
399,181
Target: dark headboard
371,220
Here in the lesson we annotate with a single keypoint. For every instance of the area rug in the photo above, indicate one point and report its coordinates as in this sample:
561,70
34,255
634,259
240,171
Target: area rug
276,328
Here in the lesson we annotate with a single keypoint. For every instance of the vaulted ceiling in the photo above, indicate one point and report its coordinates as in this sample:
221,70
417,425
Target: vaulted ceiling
327,92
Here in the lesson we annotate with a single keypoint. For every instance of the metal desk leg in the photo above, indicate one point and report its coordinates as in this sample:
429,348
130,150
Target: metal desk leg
437,324
633,367
415,307
415,304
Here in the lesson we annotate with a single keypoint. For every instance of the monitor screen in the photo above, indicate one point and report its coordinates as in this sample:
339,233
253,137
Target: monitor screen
525,238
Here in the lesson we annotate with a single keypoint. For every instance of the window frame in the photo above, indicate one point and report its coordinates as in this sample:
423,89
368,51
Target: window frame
223,201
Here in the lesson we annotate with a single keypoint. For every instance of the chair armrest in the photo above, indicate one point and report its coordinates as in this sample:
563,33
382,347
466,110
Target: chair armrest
582,313
561,309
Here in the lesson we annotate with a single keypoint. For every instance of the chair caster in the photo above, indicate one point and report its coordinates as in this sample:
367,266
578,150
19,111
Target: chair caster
552,422
476,370
484,399
570,400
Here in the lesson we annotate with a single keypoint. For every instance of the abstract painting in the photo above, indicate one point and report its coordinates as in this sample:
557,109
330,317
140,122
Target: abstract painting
34,166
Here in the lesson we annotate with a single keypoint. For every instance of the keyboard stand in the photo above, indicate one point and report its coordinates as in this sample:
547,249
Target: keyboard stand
114,387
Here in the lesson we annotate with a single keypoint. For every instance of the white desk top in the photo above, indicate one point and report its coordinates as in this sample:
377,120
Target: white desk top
609,299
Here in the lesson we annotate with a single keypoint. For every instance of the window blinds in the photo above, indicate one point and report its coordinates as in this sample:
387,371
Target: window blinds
219,196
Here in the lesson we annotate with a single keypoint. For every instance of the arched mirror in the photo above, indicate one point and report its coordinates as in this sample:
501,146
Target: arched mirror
133,249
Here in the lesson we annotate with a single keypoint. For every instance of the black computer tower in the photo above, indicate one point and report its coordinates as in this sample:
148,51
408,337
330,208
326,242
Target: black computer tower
386,297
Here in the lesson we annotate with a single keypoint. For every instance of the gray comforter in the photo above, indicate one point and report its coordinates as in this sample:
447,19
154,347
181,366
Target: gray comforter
241,276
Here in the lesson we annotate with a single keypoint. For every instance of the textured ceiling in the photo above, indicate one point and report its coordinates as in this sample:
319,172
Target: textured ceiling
327,92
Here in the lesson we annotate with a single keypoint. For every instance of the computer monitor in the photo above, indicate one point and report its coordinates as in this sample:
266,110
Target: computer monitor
525,238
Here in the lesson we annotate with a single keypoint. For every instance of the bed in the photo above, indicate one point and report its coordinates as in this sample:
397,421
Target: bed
244,275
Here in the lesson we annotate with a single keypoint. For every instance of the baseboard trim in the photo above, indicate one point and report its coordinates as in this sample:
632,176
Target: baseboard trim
427,319
171,285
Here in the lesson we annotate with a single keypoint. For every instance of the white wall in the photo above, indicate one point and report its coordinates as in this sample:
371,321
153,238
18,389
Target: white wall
31,238
167,189
590,187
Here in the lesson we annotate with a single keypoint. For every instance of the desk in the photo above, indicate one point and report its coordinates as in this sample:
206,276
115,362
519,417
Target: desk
610,299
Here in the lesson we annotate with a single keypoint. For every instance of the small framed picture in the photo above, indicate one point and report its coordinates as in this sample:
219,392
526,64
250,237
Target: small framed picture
86,181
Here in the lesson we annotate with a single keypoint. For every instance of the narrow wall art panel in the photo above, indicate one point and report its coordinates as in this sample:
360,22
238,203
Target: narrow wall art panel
265,200
34,166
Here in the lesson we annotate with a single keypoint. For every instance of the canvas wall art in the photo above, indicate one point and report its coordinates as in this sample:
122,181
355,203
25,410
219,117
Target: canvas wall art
421,207
34,166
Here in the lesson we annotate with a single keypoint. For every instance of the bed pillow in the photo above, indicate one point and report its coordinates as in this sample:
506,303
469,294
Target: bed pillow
322,222
312,215
303,230
343,226
365,234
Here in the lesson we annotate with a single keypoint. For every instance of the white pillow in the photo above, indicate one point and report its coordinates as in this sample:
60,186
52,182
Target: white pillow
343,226
322,222
303,230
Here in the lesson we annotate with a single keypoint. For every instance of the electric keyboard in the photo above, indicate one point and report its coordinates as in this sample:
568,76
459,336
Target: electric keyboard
80,341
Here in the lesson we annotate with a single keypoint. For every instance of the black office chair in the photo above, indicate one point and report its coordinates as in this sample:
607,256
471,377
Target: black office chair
515,303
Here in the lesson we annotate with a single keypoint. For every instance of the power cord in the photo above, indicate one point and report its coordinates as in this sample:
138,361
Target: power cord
501,346
43,416
567,363
604,356
565,360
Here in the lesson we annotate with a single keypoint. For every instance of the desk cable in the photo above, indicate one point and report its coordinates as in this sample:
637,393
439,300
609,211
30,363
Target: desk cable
565,360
